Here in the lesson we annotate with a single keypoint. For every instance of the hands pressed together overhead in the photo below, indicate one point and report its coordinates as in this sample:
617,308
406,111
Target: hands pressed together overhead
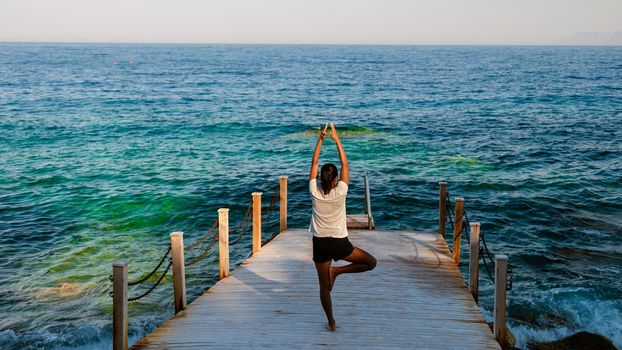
342,154
333,132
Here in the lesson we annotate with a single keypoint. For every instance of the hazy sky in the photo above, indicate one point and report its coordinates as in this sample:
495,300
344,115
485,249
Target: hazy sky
307,21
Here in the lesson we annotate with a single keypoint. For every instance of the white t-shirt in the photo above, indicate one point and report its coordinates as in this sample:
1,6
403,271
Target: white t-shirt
328,218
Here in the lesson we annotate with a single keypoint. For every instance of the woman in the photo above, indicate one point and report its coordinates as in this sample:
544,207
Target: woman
328,224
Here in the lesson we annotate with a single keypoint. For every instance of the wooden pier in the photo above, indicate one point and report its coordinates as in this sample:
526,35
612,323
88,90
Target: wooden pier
415,298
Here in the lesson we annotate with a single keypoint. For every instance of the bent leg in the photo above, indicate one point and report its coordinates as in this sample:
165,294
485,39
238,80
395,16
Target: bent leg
361,261
323,275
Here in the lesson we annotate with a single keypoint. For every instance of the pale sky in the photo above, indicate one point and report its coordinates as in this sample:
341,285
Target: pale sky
307,21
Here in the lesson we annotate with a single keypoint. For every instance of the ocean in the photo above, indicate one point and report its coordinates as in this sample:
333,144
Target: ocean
107,148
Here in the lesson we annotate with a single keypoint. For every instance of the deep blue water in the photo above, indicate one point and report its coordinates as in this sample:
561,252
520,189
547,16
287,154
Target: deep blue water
106,149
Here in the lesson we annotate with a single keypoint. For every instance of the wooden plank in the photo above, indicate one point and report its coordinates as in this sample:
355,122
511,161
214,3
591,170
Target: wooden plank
272,301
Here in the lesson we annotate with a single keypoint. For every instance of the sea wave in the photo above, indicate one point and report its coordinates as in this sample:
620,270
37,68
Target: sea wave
101,161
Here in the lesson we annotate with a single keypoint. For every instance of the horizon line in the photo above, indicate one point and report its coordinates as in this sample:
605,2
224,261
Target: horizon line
295,44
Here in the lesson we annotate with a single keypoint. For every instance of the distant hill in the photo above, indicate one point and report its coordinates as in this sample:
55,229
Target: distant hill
586,38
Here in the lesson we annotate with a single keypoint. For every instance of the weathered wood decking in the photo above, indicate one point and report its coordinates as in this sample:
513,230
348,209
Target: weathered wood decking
414,299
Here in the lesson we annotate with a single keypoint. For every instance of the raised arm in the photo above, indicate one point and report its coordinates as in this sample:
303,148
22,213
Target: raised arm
316,154
345,169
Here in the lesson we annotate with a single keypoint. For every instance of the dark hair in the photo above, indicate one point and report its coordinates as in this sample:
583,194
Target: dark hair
328,174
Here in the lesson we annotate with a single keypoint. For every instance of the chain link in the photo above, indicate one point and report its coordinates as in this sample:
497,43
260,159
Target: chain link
155,285
466,226
206,251
481,253
202,239
465,219
273,236
214,233
246,213
450,211
246,220
270,208
483,249
146,277
450,214
511,280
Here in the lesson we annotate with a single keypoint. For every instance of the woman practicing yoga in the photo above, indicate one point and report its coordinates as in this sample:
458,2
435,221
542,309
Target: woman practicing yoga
328,224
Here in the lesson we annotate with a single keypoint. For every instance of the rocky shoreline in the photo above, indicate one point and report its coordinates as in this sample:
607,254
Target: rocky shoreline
577,341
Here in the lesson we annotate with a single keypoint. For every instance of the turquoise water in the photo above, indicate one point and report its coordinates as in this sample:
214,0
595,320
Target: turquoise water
106,149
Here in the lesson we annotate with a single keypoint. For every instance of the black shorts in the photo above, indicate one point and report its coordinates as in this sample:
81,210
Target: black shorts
326,248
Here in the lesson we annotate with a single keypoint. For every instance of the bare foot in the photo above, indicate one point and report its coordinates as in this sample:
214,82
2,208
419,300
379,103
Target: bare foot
331,326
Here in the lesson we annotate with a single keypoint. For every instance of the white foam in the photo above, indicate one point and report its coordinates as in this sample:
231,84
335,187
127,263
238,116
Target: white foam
602,317
8,337
594,233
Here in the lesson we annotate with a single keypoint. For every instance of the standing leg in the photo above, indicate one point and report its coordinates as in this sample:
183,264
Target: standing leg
323,275
361,261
